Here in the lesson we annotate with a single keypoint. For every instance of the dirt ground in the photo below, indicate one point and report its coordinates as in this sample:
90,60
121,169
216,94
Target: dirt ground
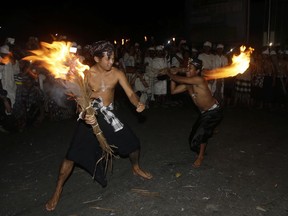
245,172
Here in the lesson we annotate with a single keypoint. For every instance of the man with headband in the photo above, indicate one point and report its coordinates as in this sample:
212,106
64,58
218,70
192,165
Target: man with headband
210,111
85,150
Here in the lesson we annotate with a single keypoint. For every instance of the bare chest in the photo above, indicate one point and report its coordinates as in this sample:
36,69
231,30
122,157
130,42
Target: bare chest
102,83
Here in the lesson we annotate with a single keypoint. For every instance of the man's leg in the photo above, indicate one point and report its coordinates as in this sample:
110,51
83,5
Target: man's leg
200,156
65,171
134,158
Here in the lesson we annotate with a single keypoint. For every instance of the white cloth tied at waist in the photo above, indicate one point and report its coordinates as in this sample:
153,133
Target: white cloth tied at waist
109,116
214,106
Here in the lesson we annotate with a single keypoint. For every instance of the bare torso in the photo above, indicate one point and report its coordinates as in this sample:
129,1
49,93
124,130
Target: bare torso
196,86
103,84
201,95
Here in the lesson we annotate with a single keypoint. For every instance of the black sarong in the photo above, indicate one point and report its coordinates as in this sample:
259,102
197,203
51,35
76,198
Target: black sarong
85,149
203,128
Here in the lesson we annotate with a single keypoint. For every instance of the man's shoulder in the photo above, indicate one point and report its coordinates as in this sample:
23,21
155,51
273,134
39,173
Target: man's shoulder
116,71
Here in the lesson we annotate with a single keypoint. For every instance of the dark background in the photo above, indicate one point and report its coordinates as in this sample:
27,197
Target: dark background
195,20
87,22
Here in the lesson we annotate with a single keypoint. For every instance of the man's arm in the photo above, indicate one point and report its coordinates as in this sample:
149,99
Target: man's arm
176,89
173,70
186,80
133,98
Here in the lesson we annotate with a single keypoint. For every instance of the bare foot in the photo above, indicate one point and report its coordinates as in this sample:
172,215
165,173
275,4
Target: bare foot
139,172
197,163
52,203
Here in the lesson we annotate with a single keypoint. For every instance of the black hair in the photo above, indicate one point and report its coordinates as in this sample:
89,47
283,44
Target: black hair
100,47
197,63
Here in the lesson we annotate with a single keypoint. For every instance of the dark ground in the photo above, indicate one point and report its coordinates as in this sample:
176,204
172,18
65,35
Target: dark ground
245,172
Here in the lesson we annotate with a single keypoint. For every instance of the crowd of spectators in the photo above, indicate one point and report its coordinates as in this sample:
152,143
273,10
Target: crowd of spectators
29,94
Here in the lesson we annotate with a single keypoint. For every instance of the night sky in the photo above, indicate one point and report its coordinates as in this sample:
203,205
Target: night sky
86,22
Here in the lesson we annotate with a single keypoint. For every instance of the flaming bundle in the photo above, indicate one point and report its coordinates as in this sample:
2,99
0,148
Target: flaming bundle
240,64
63,64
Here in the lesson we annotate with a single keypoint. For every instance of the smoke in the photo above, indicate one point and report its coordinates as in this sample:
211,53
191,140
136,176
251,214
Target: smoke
58,91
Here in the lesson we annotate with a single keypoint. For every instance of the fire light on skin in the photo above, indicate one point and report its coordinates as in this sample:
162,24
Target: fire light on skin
240,64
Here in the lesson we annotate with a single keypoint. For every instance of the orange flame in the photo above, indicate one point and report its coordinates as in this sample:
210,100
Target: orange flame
6,59
58,60
240,64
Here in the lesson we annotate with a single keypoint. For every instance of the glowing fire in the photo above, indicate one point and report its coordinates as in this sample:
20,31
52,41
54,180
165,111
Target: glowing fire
240,64
58,60
5,59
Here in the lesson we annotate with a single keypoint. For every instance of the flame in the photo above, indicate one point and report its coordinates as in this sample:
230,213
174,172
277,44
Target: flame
58,60
6,59
240,64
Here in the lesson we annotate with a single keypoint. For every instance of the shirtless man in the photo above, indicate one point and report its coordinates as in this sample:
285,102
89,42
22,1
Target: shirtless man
211,112
85,149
